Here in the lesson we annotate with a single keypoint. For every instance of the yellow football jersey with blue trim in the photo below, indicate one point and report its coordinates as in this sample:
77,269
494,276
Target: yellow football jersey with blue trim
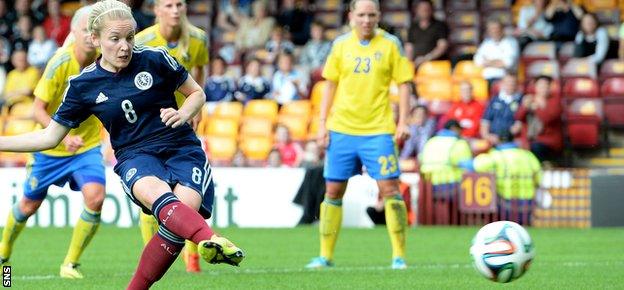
197,54
51,88
363,72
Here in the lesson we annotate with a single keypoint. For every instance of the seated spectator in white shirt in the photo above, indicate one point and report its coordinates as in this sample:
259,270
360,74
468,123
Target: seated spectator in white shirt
498,53
532,24
278,44
288,84
315,52
592,41
41,49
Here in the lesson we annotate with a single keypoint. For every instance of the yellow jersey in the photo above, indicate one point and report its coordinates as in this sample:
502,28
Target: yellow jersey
51,88
197,54
19,80
363,72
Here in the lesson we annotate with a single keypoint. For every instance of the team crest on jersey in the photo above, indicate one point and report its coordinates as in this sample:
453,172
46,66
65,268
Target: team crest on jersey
130,173
33,182
143,80
378,55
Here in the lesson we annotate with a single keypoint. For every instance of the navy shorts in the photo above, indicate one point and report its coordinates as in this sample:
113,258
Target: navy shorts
185,165
78,170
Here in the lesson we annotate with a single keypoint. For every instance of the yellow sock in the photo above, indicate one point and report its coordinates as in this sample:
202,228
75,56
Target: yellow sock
11,230
148,226
329,226
190,247
396,222
85,228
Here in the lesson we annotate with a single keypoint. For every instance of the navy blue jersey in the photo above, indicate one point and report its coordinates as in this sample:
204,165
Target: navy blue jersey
128,103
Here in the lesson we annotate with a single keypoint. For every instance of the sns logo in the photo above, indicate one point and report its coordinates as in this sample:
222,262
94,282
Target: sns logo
130,173
6,276
143,80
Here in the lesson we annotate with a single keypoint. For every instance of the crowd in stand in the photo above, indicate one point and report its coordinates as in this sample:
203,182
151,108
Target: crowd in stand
276,49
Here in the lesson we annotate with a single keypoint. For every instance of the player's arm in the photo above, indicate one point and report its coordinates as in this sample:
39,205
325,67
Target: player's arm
402,131
195,98
198,74
38,140
326,103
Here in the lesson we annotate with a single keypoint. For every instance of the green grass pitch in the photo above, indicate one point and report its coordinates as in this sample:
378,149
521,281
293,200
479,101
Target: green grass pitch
438,259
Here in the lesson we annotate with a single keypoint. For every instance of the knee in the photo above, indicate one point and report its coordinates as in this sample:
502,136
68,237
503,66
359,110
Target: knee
389,190
94,197
28,207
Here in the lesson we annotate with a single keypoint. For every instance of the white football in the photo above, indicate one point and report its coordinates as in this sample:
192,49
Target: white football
502,251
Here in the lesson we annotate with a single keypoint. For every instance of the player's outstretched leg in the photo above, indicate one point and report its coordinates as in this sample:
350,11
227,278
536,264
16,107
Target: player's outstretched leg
396,222
14,225
85,229
329,227
148,226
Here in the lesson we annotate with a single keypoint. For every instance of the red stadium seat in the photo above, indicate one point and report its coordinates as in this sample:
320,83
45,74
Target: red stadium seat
613,87
581,88
566,51
543,67
579,68
539,50
611,68
583,123
612,92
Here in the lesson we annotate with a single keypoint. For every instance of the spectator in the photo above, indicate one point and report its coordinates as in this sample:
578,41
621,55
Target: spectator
499,114
254,32
422,128
467,111
21,81
288,84
621,44
5,55
278,44
540,114
23,8
219,87
41,49
6,20
497,53
427,36
230,14
56,24
593,41
295,17
531,23
290,152
22,34
142,18
311,155
564,16
274,160
315,52
252,86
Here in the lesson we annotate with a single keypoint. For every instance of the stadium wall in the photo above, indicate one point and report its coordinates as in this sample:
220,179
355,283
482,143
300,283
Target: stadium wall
244,197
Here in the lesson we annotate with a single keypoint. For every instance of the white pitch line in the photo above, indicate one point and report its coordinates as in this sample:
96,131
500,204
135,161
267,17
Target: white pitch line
333,269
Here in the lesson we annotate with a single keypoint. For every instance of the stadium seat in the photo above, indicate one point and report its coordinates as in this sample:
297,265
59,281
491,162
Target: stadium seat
18,126
555,88
581,88
261,109
221,148
504,16
460,50
464,35
479,90
543,67
583,122
299,108
395,5
566,51
595,5
464,19
439,107
232,110
329,18
577,68
496,5
467,69
608,16
397,19
224,127
461,5
436,89
433,70
611,68
22,110
256,148
539,50
297,125
328,5
612,92
256,127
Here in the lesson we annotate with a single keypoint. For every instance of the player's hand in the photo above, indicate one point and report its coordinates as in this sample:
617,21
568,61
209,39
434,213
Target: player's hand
322,138
402,133
172,117
195,121
73,143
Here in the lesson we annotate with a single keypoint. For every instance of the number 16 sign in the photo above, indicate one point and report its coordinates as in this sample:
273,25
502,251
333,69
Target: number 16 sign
477,193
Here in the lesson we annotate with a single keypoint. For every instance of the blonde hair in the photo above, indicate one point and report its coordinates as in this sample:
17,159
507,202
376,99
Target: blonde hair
107,10
185,34
353,2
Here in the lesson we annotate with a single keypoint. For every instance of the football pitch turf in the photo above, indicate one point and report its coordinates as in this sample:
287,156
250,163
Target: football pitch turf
437,257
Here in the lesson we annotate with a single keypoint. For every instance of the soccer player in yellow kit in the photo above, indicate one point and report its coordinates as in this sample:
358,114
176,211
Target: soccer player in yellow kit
78,160
357,125
189,45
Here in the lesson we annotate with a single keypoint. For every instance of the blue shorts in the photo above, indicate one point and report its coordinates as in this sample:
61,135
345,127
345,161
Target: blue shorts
347,153
78,170
185,165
